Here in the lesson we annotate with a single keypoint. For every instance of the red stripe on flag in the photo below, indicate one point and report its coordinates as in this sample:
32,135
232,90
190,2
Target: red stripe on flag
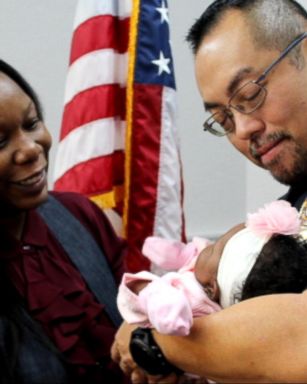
95,103
144,170
100,32
94,176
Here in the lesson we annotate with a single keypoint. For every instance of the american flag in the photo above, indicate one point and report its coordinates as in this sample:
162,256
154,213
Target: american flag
119,143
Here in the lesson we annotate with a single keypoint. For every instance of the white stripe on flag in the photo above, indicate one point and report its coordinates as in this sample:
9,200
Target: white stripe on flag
91,8
98,138
168,220
111,71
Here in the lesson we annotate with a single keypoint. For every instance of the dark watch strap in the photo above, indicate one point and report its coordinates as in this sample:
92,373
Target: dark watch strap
148,355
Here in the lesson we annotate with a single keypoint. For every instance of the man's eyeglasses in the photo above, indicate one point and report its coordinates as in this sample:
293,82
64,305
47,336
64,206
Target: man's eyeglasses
246,99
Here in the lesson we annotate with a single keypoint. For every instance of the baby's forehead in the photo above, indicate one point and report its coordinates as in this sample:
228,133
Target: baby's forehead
205,262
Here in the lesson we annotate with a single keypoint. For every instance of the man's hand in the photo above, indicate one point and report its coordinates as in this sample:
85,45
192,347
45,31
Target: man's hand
120,354
120,349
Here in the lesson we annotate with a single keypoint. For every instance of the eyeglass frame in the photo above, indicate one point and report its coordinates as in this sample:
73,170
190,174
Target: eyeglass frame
227,110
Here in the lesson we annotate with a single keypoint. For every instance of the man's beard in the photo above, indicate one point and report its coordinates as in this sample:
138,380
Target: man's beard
294,175
280,171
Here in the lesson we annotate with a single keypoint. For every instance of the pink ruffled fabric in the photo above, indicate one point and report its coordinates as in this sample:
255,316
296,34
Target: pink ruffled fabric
172,301
278,217
167,307
168,303
171,254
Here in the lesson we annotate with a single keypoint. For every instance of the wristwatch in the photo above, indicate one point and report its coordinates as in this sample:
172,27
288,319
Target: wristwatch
148,355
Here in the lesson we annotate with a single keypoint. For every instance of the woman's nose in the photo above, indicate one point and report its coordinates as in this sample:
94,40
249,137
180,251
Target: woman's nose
247,125
27,150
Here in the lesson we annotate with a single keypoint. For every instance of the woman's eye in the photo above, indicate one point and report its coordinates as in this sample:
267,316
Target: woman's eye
32,124
3,141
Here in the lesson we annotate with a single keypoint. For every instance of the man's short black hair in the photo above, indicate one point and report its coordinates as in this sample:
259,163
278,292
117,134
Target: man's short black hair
284,9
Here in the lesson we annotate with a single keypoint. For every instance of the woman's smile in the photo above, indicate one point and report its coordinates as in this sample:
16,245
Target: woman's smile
33,183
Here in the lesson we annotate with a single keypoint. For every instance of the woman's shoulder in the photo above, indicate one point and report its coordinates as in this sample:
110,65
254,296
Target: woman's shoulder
88,213
80,206
70,198
98,224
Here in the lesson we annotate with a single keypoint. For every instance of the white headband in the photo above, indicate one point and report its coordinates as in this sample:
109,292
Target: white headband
238,258
242,250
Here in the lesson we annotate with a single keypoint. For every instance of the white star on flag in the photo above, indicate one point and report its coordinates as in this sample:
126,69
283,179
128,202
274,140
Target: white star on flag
164,12
162,63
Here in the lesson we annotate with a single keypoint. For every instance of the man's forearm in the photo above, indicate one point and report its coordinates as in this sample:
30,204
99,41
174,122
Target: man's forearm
259,340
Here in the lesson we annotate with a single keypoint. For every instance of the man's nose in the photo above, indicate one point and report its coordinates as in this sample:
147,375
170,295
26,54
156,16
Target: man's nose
27,150
247,125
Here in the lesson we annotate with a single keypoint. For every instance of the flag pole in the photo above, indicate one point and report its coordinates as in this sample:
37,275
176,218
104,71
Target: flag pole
132,48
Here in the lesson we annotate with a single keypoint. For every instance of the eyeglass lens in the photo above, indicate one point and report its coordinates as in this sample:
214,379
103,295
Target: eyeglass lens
246,100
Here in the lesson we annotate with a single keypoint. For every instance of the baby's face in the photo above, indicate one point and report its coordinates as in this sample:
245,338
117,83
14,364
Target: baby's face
207,263
206,271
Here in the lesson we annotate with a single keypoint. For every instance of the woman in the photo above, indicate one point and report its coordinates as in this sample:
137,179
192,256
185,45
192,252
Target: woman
52,327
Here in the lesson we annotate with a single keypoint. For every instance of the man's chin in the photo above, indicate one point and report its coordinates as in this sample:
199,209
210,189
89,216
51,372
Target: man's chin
288,177
282,179
290,167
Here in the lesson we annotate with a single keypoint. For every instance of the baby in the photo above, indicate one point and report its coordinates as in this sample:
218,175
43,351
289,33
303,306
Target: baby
267,256
168,302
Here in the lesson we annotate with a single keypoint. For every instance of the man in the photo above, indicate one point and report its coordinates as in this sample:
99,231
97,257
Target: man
250,64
